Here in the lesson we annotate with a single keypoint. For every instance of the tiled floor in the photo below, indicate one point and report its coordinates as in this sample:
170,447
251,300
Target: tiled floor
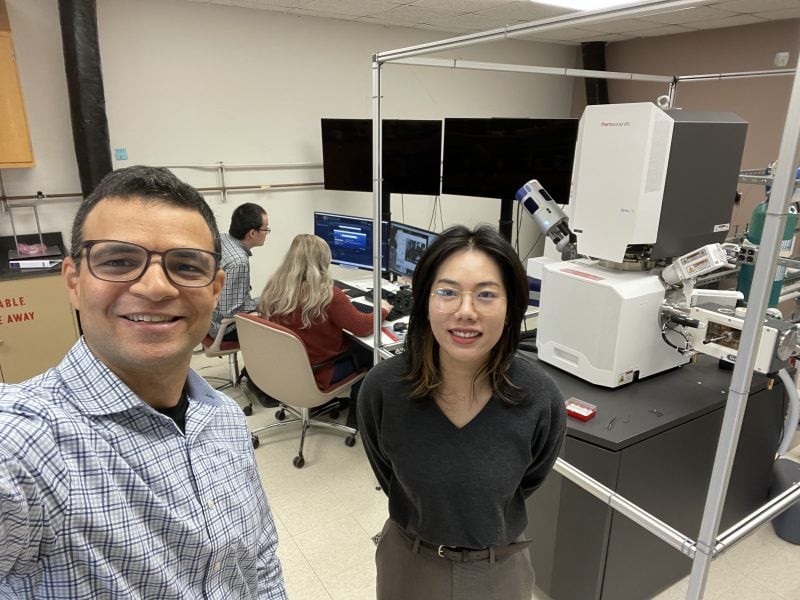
328,511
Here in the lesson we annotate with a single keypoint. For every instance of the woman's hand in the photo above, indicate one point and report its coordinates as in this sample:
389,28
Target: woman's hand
385,304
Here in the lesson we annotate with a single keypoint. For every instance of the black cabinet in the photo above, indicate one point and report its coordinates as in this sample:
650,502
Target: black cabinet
658,453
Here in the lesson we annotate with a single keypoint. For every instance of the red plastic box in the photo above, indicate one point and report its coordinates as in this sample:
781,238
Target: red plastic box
578,409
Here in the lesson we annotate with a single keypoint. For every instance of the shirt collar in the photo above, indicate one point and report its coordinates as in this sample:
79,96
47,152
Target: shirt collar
241,244
98,391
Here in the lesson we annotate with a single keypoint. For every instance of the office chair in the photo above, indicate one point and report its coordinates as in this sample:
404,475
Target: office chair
216,347
278,364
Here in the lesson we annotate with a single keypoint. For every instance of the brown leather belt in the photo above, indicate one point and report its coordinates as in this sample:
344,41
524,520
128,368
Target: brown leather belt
461,554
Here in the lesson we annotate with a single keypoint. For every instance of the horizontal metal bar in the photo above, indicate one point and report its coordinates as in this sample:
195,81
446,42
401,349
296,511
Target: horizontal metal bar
559,71
581,19
734,75
262,188
757,518
267,167
638,515
761,179
45,196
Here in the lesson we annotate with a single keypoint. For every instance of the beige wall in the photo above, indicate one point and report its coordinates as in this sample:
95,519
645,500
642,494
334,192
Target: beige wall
760,101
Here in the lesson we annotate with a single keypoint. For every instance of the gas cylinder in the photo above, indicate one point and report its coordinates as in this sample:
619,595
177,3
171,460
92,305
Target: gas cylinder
754,237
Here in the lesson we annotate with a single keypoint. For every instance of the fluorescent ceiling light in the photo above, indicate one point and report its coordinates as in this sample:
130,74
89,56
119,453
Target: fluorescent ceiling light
584,4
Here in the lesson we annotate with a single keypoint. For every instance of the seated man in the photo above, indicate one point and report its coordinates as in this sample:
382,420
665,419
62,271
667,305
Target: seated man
248,229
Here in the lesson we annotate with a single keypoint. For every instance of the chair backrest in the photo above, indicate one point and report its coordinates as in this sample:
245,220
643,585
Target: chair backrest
277,362
216,346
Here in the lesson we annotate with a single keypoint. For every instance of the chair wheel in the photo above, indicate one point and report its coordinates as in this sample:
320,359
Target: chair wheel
334,414
255,440
280,414
298,462
247,410
350,441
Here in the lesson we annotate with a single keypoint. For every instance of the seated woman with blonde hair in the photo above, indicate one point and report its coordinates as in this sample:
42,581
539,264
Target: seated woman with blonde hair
301,296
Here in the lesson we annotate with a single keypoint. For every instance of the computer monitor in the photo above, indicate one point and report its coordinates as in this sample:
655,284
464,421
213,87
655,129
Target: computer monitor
406,246
494,157
350,239
412,150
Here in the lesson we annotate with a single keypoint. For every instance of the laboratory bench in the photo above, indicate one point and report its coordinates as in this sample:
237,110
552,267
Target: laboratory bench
652,441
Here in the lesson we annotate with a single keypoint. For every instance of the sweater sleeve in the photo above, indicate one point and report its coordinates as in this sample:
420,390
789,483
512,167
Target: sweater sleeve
370,411
549,433
344,315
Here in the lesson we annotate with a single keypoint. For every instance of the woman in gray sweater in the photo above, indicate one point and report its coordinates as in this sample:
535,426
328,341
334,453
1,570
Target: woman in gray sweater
460,430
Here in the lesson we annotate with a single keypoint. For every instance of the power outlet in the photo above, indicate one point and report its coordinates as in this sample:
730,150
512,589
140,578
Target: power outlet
781,59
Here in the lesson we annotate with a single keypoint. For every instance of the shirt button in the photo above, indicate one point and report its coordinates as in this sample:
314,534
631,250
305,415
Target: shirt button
217,567
210,504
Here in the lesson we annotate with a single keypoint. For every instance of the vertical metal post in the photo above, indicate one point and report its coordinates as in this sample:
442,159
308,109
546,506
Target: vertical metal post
777,209
221,173
671,92
377,195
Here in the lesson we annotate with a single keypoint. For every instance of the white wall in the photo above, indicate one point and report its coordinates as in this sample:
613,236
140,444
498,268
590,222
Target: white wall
195,83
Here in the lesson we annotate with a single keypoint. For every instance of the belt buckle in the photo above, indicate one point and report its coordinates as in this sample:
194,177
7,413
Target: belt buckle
440,551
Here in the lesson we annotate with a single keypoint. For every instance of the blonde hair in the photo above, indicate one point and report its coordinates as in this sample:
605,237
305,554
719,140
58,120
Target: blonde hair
302,281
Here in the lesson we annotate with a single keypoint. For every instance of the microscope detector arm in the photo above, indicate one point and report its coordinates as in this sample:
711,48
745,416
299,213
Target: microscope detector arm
547,215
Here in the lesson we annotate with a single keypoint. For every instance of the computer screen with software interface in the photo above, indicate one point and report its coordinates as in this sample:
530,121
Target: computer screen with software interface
350,239
406,246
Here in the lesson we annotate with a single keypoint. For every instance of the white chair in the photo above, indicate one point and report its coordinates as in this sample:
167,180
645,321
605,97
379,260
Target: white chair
216,347
278,363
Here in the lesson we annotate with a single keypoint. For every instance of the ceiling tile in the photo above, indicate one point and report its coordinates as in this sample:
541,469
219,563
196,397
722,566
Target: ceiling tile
624,26
751,6
726,22
525,11
459,6
698,13
459,16
778,15
665,30
608,37
570,34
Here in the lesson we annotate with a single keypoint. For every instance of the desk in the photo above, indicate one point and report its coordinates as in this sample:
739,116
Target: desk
388,336
37,323
582,549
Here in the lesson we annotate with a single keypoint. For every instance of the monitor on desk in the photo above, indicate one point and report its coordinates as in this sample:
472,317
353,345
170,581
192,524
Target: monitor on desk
406,246
350,239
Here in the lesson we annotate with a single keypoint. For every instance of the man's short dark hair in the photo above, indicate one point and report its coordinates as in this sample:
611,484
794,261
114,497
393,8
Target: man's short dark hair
246,217
155,184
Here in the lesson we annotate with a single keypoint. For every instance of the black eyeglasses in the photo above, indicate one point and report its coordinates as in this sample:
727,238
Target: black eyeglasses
124,262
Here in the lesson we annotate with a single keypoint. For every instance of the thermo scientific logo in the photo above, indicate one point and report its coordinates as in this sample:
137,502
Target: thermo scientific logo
615,123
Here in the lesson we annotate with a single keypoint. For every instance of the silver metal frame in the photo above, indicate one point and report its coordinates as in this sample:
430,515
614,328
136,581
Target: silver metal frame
709,544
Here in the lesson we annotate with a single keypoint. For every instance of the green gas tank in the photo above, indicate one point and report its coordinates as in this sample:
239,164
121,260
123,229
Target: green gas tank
754,237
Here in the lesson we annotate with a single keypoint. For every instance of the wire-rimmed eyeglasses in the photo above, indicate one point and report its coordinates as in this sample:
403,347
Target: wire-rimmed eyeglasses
123,262
448,300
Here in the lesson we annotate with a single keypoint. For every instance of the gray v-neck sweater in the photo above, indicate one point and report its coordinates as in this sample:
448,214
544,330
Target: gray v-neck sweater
460,487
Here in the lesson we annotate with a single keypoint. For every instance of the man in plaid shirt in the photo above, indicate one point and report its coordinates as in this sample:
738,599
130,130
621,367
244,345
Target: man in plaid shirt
249,229
123,474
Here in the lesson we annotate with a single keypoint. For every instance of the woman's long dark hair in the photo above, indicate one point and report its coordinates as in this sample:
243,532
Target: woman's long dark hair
421,347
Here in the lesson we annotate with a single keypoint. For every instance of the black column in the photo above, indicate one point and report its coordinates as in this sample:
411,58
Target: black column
85,87
594,58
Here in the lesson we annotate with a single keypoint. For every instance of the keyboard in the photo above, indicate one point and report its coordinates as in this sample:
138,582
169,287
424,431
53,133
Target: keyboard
349,290
385,294
361,307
